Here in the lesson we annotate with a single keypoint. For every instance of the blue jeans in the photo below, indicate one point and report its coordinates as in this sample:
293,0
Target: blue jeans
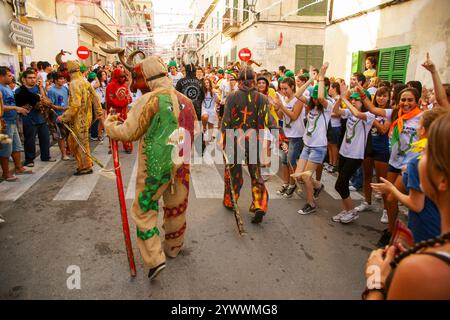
314,154
294,151
357,179
30,131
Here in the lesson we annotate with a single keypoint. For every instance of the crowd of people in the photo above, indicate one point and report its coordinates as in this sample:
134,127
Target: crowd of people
386,138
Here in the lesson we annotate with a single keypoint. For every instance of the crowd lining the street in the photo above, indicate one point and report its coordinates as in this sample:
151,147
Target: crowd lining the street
389,139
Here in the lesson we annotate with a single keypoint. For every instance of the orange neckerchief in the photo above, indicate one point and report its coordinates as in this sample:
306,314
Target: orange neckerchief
401,118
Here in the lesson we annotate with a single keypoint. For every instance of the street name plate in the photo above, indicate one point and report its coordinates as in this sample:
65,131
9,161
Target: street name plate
21,29
21,40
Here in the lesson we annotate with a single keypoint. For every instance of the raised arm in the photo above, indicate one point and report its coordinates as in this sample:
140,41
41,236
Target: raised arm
296,110
368,103
354,111
336,108
137,122
321,98
441,96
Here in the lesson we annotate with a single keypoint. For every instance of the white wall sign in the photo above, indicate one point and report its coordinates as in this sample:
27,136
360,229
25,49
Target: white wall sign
21,34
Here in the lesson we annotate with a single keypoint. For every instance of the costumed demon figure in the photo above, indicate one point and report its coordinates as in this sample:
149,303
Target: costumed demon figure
118,98
79,114
158,120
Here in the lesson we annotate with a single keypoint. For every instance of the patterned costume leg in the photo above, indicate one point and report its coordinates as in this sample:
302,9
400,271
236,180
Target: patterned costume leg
259,192
83,161
148,236
175,206
238,181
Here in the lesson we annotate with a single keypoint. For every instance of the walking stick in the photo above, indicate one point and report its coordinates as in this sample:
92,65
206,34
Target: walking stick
236,210
123,207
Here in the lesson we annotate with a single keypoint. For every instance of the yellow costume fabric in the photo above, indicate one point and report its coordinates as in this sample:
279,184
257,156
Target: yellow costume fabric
79,116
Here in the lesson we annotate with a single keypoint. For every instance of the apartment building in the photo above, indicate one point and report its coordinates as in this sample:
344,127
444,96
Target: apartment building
397,33
286,32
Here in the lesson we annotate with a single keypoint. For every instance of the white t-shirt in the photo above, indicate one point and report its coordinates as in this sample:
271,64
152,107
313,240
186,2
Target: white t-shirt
356,133
101,91
400,153
372,91
175,78
292,129
317,127
224,90
43,75
335,121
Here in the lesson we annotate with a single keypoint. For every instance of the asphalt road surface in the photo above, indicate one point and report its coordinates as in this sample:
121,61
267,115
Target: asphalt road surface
56,221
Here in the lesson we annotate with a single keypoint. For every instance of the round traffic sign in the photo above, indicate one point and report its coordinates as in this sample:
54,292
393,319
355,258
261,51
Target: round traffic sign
83,52
245,54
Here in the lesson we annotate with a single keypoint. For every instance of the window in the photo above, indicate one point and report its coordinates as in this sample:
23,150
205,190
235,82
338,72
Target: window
306,56
235,13
318,9
245,11
211,61
233,54
393,63
109,6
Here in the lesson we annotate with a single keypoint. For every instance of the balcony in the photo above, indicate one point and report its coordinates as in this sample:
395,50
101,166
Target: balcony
98,22
230,27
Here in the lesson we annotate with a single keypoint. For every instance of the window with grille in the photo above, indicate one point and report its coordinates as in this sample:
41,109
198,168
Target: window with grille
318,9
245,14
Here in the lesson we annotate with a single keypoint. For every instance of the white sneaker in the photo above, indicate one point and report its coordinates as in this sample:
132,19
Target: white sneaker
337,218
384,218
2,219
352,188
365,206
350,216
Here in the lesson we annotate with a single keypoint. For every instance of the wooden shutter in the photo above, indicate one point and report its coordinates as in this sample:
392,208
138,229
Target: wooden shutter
319,9
306,56
393,63
356,61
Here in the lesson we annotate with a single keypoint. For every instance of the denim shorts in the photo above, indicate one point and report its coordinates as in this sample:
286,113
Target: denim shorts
334,135
15,146
295,148
314,154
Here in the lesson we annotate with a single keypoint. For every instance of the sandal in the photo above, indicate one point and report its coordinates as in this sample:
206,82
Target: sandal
24,171
11,179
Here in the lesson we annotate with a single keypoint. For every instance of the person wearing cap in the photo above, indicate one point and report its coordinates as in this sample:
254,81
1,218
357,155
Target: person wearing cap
246,113
351,153
173,73
84,71
289,74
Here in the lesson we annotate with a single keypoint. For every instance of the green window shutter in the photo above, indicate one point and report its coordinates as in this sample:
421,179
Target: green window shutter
306,56
245,13
393,63
319,9
357,61
233,54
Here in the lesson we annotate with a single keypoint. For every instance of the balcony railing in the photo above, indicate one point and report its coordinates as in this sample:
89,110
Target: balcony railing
230,25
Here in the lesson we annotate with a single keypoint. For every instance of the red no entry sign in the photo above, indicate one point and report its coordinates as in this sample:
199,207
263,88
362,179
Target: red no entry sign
245,54
83,52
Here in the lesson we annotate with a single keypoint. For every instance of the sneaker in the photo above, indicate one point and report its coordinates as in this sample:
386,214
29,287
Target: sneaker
350,216
283,189
318,191
338,217
49,160
258,218
352,188
332,169
83,172
307,209
384,218
153,273
65,158
2,219
93,139
29,165
364,206
385,239
289,191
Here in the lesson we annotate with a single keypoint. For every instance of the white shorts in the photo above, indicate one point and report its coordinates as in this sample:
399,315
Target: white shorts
211,114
